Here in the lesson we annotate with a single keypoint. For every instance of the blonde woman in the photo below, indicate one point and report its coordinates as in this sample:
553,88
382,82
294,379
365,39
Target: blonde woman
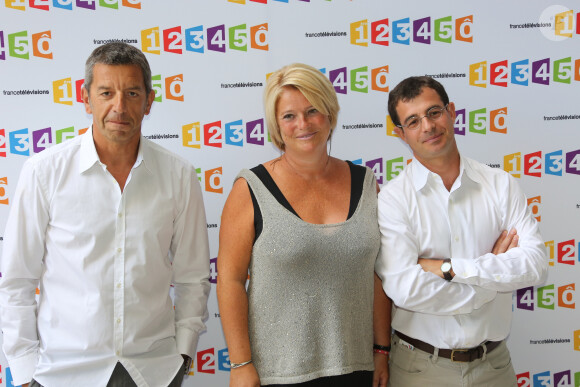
305,226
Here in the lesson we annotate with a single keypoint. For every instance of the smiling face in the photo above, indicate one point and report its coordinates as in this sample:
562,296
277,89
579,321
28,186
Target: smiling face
118,102
433,140
302,126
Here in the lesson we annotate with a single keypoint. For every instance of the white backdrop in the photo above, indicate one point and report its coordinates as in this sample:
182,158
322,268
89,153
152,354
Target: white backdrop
511,67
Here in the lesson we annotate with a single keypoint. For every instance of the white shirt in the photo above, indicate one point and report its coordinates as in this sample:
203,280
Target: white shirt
104,261
418,217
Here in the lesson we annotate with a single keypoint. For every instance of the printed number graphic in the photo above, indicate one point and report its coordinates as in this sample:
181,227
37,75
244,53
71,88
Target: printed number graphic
173,40
235,133
3,193
533,164
213,180
338,78
213,271
525,298
255,132
422,30
394,167
443,29
512,164
191,135
554,163
460,122
216,37
402,31
524,379
41,45
150,42
213,134
2,142
377,166
64,134
62,91
238,37
19,142
41,139
194,40
359,33
206,361
464,29
174,88
380,32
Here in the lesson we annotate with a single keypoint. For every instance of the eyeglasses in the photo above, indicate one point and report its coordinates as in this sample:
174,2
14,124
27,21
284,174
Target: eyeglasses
433,114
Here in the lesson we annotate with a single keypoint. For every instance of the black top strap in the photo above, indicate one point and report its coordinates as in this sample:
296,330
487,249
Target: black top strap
357,177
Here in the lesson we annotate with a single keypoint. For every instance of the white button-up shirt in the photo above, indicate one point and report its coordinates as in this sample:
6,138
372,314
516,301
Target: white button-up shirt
419,218
104,261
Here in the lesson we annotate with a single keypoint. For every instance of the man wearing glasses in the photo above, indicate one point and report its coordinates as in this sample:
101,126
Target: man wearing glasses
457,239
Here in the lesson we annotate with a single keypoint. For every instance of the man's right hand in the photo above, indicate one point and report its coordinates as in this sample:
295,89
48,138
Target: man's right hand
505,242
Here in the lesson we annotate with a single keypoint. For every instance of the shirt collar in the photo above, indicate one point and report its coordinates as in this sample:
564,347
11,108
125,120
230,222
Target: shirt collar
421,173
89,156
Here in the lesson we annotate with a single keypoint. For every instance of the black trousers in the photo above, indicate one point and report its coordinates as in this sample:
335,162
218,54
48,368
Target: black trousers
355,379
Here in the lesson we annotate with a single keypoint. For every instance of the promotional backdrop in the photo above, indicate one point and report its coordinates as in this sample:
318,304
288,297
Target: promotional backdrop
511,67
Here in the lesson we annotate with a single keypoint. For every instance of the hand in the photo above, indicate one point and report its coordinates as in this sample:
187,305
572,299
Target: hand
245,376
381,374
505,242
186,363
431,265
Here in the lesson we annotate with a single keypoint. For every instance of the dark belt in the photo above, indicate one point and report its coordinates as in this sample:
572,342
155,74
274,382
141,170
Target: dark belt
456,355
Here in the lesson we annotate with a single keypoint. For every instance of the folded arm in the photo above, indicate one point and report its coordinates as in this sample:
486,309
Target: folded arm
404,280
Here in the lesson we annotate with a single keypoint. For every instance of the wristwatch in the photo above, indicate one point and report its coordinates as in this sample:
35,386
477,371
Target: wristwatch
446,268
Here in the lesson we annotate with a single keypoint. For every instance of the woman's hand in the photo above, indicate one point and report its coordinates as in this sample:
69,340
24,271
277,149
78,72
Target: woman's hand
381,374
245,376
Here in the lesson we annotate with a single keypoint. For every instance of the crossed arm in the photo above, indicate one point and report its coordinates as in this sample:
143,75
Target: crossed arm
505,242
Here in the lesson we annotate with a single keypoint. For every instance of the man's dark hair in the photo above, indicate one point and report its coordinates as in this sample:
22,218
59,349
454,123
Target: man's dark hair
118,53
410,88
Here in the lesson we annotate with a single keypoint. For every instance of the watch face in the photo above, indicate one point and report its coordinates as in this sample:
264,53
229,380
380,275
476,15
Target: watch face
445,267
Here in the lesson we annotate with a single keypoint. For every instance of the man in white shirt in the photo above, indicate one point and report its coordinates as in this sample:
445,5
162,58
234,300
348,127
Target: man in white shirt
457,240
104,224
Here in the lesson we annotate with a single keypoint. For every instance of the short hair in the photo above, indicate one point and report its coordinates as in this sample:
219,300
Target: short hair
313,85
410,88
118,53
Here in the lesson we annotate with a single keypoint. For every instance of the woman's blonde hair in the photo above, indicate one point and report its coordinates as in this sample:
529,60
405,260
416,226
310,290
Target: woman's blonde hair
313,85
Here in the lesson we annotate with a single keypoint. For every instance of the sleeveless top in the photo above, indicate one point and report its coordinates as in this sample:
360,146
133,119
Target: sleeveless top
310,292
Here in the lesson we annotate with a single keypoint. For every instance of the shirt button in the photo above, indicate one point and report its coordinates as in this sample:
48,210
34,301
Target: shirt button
119,250
456,239
118,321
118,353
118,285
120,215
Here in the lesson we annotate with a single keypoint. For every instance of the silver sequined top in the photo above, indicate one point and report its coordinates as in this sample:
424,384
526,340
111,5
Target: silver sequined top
311,290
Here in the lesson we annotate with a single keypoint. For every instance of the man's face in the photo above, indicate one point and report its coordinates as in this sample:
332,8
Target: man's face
118,102
433,139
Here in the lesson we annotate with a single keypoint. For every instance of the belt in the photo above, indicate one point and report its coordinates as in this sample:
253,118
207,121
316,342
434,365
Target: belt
456,355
